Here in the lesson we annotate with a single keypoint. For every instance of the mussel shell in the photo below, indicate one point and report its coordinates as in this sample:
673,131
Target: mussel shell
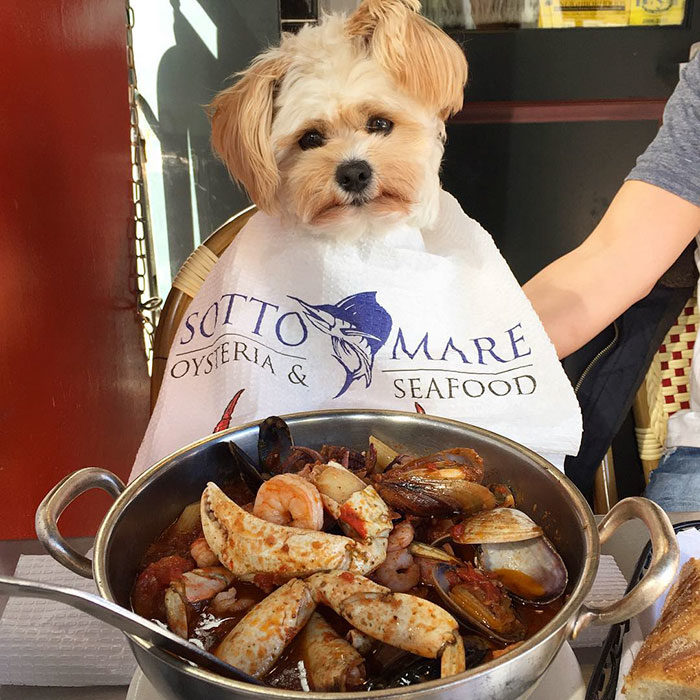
425,497
503,495
475,649
467,459
415,669
410,669
469,611
248,468
531,570
497,525
274,444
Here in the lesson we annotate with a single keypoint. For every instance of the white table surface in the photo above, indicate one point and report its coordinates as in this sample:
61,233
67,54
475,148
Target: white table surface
625,545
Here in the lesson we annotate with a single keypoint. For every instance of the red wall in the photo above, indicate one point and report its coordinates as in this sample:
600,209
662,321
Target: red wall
73,382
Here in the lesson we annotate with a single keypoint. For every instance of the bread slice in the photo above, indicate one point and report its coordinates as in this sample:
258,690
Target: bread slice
667,666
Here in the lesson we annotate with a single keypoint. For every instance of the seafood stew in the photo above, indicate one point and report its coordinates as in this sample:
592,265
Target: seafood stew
345,570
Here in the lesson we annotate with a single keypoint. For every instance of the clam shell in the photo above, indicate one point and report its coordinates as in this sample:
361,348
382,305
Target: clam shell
532,570
497,525
419,549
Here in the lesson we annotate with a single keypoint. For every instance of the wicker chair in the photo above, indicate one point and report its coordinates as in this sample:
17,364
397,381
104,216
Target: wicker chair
666,387
186,284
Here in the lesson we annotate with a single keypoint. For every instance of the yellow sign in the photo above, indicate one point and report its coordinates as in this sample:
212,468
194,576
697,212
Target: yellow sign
559,14
657,12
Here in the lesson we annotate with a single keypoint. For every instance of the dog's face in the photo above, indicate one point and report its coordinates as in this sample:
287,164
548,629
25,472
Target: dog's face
341,128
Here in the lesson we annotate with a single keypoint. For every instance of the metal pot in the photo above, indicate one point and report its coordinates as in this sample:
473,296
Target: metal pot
155,499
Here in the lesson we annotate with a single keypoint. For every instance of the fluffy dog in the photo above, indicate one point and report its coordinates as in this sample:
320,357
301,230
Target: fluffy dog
340,130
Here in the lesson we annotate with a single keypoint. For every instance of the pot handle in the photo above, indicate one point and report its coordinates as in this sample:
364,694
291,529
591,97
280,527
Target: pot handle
56,501
661,572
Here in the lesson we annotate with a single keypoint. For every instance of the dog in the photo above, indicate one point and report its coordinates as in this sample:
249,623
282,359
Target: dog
340,130
360,283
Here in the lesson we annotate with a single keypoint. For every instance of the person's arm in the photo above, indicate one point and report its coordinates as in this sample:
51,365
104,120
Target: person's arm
642,233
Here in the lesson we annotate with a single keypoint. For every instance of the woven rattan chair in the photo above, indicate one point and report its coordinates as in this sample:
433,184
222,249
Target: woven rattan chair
666,387
186,284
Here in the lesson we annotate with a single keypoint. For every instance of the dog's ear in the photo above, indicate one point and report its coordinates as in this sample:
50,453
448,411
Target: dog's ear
416,53
241,121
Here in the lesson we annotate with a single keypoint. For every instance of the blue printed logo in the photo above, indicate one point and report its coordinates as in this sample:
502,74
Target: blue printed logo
358,326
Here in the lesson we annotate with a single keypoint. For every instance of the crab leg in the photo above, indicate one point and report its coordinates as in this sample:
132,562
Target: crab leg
331,662
401,620
258,640
248,546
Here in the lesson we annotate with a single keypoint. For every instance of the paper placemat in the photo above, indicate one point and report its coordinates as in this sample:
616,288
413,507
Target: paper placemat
609,586
50,644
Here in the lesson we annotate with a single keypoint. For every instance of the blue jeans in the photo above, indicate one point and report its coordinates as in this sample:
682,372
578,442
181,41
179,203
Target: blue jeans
675,483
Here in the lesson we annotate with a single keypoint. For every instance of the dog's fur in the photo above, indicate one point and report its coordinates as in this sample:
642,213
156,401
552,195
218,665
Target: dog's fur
384,61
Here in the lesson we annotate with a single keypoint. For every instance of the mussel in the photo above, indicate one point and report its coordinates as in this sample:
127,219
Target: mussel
249,470
464,458
503,495
274,444
428,490
478,601
407,670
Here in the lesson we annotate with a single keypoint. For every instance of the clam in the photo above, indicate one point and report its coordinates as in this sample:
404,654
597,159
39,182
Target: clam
497,525
531,570
513,548
420,549
477,601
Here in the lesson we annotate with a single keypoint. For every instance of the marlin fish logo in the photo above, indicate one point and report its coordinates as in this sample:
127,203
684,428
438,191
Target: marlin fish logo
358,327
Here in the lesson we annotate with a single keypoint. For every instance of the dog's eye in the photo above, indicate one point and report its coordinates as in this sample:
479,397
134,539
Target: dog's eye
379,125
311,139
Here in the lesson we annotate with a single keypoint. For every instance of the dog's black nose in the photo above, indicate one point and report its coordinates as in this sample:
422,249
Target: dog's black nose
353,175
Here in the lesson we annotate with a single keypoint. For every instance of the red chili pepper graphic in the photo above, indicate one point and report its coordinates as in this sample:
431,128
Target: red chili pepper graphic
419,408
225,421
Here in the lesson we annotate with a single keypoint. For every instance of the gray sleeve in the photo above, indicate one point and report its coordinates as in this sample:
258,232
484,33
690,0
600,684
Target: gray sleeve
672,160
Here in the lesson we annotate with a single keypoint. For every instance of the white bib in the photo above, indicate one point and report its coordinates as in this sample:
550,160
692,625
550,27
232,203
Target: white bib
409,320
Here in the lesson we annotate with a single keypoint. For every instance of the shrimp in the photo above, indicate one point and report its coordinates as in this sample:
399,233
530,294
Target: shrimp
401,536
288,499
192,587
228,603
202,554
399,571
202,584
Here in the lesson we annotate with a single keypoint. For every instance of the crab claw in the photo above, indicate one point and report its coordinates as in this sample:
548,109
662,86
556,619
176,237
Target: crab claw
399,619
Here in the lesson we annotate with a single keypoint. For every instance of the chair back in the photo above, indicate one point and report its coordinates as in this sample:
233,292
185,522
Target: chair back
666,387
186,284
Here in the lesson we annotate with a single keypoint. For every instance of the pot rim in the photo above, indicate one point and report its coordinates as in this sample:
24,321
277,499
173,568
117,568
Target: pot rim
560,620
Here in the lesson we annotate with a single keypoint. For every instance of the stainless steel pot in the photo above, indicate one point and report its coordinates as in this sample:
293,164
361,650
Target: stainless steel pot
153,501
